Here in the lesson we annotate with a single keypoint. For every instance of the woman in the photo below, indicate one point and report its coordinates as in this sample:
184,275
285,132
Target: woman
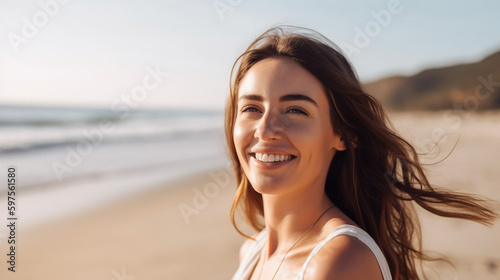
314,157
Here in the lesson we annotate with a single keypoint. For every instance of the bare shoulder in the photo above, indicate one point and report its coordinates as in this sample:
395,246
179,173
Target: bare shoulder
345,258
244,247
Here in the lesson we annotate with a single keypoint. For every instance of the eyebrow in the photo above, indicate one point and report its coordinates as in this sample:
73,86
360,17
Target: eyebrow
298,96
288,97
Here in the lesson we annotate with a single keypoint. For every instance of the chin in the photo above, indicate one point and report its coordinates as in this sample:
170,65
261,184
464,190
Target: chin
270,186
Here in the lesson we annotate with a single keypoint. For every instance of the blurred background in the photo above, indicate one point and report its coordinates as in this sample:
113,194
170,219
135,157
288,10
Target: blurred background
111,113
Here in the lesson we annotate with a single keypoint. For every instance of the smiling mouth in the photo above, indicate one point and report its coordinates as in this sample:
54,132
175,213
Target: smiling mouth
272,157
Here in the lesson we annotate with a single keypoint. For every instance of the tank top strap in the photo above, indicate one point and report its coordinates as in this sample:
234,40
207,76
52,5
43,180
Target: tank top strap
363,237
251,257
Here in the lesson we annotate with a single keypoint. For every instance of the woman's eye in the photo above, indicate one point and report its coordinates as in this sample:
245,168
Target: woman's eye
249,109
296,111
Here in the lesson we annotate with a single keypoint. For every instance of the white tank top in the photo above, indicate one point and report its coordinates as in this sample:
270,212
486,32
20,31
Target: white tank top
251,257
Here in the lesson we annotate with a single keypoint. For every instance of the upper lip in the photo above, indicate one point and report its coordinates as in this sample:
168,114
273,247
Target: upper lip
270,151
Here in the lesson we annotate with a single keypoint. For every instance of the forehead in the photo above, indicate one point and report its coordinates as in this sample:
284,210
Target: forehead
277,76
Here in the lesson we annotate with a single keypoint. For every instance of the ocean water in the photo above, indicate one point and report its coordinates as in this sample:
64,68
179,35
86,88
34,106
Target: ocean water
69,160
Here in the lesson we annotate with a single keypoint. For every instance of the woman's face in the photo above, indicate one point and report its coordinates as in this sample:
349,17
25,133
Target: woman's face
283,134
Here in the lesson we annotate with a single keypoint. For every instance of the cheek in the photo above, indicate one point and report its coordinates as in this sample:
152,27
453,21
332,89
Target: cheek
240,138
316,141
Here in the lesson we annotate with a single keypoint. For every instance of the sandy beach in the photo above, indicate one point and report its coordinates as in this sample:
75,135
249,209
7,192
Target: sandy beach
147,236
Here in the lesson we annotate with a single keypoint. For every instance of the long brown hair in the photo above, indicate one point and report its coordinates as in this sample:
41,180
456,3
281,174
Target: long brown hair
378,176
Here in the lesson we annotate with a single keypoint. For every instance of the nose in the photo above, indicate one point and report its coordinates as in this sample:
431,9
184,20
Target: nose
269,127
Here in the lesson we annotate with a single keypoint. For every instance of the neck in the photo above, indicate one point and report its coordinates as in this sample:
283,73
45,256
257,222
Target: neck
289,216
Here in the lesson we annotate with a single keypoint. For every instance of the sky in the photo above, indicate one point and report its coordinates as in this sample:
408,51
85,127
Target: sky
179,54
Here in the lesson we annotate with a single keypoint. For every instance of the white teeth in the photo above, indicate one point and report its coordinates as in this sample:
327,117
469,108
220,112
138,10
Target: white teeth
272,157
265,157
